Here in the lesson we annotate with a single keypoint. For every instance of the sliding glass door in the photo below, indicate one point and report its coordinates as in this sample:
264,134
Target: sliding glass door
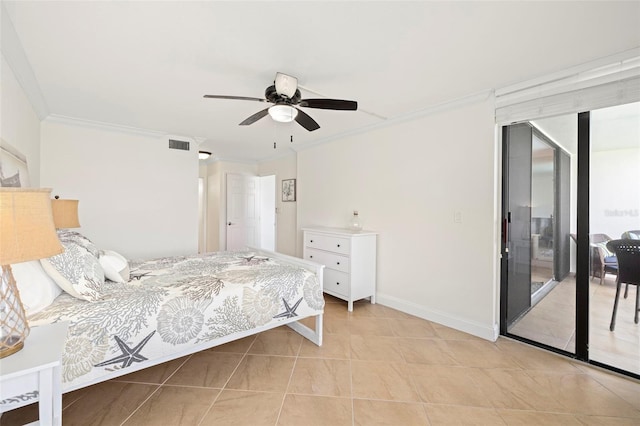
570,184
517,221
614,213
536,250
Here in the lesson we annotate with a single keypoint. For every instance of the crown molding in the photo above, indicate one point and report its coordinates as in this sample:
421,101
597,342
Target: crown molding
433,109
14,55
74,121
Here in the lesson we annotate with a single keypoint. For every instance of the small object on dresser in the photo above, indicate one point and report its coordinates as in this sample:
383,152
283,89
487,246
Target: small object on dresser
356,223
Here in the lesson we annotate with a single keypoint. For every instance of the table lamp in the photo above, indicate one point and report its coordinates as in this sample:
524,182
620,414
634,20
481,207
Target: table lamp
65,213
27,233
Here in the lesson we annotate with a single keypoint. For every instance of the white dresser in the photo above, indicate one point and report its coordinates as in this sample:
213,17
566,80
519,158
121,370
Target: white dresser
349,258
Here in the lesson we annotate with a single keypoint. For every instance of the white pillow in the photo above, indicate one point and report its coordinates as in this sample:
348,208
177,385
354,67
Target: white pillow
37,289
115,266
76,271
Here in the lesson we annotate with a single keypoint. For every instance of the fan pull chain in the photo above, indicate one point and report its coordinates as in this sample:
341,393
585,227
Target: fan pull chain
275,135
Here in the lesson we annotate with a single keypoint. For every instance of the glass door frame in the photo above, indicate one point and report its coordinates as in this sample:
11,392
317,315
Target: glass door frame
582,310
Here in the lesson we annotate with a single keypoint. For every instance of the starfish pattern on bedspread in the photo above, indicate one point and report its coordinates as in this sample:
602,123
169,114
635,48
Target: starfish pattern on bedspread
289,312
138,275
129,355
254,260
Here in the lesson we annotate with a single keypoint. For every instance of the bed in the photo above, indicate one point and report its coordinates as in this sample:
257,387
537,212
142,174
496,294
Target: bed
166,308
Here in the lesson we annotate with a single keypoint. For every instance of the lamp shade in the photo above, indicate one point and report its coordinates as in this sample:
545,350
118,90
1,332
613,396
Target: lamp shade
26,225
65,213
26,233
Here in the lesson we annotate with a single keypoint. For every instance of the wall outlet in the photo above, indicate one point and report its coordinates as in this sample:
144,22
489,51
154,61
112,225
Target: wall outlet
457,217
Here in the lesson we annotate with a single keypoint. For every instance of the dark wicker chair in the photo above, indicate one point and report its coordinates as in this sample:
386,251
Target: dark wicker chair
628,254
631,235
601,263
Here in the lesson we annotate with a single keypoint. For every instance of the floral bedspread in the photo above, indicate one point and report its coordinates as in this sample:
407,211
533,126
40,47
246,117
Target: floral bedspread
171,303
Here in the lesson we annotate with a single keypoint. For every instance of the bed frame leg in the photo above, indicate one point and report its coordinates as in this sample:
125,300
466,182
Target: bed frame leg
314,335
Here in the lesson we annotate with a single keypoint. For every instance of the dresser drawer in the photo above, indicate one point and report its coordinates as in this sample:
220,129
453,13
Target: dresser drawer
327,242
336,282
329,260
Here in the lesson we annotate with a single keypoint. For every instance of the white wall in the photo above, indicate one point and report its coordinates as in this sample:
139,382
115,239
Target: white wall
284,168
407,181
615,191
137,196
19,123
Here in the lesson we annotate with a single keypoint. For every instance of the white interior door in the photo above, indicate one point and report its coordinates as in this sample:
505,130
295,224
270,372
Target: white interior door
243,211
202,216
268,212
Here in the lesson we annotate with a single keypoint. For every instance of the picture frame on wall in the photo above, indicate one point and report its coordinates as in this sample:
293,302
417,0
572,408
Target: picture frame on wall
13,167
288,190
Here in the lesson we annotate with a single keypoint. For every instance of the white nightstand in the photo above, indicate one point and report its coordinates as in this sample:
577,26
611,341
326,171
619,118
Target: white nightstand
35,373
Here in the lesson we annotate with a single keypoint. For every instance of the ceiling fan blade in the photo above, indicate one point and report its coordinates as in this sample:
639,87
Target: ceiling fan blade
255,117
238,98
338,104
307,122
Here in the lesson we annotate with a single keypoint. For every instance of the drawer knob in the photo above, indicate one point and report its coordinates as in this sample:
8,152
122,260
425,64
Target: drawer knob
338,245
337,283
310,257
311,240
338,263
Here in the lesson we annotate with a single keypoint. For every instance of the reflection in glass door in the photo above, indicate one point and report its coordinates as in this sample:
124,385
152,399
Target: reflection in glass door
614,211
542,214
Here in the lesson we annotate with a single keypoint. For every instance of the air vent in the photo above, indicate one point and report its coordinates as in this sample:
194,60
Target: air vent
175,144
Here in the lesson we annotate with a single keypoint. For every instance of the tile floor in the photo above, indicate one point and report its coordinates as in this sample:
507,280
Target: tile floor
552,321
377,366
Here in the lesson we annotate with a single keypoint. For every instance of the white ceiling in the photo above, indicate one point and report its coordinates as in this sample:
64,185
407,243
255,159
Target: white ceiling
147,64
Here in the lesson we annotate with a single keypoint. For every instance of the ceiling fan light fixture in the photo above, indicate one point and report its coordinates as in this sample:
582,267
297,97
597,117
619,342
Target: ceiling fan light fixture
203,155
286,85
283,113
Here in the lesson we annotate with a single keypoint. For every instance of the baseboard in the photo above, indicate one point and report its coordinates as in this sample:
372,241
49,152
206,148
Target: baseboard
480,330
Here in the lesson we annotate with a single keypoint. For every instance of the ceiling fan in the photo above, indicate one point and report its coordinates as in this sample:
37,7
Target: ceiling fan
286,100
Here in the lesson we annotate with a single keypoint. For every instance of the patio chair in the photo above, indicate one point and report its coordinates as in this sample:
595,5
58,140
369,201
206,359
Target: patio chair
628,253
631,235
603,260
